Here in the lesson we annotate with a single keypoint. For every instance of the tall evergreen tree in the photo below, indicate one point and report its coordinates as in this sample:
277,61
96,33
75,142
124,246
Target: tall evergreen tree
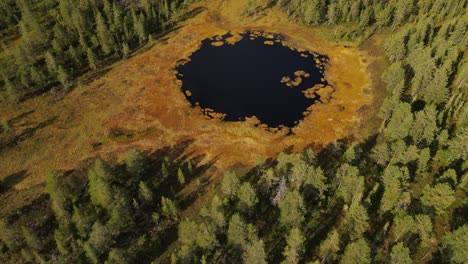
105,37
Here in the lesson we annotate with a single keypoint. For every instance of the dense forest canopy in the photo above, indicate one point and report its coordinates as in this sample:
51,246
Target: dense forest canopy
57,41
397,197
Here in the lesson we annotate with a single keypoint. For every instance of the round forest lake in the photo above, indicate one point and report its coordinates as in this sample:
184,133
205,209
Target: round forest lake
253,75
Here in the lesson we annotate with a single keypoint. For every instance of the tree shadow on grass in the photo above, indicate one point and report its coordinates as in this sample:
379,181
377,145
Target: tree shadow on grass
189,199
27,133
12,180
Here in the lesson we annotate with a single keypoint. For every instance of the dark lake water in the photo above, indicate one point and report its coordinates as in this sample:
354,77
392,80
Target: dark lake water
245,79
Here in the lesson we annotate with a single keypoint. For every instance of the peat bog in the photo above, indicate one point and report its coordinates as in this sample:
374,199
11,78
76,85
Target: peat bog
254,76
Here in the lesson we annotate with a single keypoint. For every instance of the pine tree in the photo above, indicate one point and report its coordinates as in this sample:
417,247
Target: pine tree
357,252
75,55
189,167
32,240
394,181
400,254
316,179
180,176
230,184
57,192
424,228
145,192
247,197
100,179
295,248
51,63
255,252
116,25
425,125
214,215
91,58
30,20
136,163
400,123
356,221
10,90
205,238
139,23
186,232
454,245
292,209
83,219
314,12
100,240
351,185
63,77
402,225
117,255
63,236
440,197
61,40
330,246
121,217
236,233
105,38
168,208
403,10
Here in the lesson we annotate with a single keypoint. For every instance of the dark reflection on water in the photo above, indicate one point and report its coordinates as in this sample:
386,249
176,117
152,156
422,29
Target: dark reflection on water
244,80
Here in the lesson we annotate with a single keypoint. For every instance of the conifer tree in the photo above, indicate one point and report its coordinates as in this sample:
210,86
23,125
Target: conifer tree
454,245
295,248
168,208
137,163
440,197
145,192
330,246
63,77
92,61
100,179
400,254
255,252
424,228
83,219
125,50
117,255
402,225
100,240
32,240
140,27
103,33
247,197
401,122
236,233
57,192
357,252
230,183
356,221
180,176
121,217
292,209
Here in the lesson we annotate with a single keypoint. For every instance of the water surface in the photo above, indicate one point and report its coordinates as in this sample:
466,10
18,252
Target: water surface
244,79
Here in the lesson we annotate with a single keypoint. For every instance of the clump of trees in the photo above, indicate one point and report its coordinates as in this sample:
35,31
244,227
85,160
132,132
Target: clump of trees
62,39
111,213
357,20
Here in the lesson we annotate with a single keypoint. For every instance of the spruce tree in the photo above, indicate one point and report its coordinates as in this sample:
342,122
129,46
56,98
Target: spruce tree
105,37
180,176
295,248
